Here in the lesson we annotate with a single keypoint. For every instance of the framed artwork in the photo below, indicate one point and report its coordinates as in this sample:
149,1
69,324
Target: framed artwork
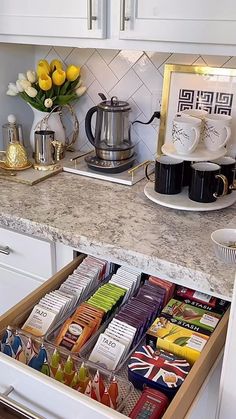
196,87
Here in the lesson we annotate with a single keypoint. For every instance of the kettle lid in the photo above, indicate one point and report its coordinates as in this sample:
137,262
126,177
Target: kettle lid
114,105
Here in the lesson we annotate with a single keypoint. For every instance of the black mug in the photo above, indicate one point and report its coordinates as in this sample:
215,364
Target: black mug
205,179
228,168
168,175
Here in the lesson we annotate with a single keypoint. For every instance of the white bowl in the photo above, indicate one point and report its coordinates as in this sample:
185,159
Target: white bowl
221,240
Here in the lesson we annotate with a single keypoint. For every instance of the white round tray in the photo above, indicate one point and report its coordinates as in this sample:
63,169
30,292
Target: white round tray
200,154
181,201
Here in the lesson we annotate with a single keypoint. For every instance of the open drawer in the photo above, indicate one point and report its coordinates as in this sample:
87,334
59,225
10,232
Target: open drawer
51,399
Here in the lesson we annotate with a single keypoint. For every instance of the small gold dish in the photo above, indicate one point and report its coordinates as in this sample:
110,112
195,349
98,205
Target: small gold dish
5,167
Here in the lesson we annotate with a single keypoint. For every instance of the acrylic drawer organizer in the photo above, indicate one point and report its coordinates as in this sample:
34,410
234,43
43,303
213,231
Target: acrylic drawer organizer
46,359
20,320
86,351
52,335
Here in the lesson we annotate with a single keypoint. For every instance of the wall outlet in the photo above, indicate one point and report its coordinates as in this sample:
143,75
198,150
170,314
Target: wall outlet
156,104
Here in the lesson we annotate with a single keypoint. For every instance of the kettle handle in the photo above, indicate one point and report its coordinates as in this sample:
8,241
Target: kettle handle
88,128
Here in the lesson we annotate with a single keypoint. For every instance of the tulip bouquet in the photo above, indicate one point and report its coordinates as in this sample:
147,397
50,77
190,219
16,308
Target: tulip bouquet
49,86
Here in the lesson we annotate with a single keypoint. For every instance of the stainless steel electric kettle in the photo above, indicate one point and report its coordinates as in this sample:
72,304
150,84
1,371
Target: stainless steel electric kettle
111,139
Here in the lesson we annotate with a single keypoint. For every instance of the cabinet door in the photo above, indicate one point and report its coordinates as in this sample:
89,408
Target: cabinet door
26,254
14,287
178,21
71,19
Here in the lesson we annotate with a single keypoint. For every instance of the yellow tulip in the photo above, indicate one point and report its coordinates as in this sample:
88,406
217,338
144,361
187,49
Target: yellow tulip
43,67
45,82
58,77
72,72
55,65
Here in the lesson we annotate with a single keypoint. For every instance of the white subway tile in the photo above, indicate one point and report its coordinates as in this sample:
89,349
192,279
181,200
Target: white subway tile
87,76
143,99
124,61
127,86
108,54
93,91
101,71
158,58
79,56
148,73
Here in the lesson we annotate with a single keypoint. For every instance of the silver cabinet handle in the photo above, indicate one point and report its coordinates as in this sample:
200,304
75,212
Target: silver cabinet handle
90,17
5,250
123,18
17,407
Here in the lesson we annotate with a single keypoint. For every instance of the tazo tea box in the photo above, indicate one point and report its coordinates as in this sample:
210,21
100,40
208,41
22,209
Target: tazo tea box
176,339
190,317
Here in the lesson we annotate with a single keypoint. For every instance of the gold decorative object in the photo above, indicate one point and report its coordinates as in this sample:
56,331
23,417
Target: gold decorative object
46,168
15,157
133,170
69,143
60,149
201,78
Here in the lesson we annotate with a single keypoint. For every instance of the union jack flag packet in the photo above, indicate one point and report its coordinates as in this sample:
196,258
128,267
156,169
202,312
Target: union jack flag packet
158,369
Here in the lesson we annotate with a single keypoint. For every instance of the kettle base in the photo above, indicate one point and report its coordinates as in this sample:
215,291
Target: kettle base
108,166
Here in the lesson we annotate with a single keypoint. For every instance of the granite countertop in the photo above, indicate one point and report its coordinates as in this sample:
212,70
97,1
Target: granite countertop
119,223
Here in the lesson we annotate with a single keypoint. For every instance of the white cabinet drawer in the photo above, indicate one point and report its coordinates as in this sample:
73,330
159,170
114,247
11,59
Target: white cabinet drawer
46,397
14,287
27,254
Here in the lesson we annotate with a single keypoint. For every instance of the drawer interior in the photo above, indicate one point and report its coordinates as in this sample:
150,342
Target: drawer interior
19,313
189,389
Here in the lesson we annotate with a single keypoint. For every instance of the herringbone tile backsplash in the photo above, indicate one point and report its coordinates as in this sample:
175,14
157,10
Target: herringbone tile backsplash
134,76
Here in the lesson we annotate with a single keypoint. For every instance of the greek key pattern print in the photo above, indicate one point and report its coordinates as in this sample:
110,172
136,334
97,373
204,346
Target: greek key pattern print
213,102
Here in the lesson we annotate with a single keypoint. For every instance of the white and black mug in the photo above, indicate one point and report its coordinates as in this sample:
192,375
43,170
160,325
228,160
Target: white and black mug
205,178
185,134
168,175
217,131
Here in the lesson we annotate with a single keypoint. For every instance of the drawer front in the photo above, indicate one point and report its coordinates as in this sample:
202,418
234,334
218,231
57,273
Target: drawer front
27,254
46,397
179,405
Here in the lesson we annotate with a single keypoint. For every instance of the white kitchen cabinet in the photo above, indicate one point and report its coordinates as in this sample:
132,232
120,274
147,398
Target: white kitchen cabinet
179,21
26,254
203,27
70,19
14,286
25,262
46,397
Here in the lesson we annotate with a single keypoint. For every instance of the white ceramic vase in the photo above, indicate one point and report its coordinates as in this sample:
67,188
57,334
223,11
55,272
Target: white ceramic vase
53,123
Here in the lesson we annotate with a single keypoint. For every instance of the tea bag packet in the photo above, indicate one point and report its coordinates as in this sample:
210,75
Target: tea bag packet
191,317
40,320
78,329
74,333
164,285
107,352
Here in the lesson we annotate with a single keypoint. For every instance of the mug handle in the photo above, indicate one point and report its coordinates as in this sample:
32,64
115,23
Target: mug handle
233,186
146,172
228,134
225,186
197,136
